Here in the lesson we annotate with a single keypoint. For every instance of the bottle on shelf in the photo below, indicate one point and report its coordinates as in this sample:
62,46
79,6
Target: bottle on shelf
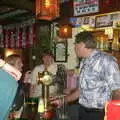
115,44
110,45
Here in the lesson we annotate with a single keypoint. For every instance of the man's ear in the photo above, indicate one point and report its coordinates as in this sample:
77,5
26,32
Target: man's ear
83,45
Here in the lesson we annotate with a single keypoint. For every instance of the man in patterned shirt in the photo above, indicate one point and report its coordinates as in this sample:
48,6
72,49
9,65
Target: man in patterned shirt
99,78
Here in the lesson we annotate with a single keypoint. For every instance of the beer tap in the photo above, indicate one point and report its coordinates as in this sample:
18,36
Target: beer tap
45,79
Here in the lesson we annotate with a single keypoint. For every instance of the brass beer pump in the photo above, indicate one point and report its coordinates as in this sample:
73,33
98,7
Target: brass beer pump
45,79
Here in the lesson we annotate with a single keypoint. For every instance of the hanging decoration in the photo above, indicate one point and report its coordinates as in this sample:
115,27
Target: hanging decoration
47,9
65,31
22,35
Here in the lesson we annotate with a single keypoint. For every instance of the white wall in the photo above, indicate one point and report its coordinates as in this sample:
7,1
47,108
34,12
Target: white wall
72,59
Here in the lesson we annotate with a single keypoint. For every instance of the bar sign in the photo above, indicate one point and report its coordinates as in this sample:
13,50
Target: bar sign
82,7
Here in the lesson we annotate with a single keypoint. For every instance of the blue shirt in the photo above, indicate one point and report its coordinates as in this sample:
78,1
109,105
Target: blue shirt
8,88
99,76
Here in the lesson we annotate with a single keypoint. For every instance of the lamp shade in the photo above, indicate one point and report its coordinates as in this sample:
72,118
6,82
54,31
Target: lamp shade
47,9
65,31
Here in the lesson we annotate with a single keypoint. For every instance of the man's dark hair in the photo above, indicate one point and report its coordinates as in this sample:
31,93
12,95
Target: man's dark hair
47,52
87,38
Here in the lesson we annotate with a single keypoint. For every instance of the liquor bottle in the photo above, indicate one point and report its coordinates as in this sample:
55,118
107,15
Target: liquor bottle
102,43
110,44
115,44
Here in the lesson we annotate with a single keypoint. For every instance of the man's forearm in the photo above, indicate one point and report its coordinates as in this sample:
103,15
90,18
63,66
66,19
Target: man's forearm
73,96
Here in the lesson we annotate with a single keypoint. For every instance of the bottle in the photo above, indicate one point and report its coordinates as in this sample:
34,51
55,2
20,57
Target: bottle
110,45
102,43
115,44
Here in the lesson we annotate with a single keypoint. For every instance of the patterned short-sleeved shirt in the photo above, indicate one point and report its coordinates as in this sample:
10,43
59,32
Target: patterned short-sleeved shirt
99,76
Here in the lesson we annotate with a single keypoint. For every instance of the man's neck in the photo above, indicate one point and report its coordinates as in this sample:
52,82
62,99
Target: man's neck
88,52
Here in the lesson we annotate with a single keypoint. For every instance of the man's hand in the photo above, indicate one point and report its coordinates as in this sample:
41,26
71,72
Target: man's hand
57,101
64,99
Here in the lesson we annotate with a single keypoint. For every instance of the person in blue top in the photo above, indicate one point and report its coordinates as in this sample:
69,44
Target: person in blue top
8,87
23,88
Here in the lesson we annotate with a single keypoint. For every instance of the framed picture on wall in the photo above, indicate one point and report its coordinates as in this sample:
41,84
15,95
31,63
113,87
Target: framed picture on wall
60,51
103,21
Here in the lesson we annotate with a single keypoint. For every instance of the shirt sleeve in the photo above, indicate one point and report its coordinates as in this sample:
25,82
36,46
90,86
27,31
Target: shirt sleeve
34,74
112,73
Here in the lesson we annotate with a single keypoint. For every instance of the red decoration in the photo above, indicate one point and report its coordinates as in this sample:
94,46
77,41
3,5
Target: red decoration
112,110
3,40
27,37
14,45
9,39
47,9
18,37
34,33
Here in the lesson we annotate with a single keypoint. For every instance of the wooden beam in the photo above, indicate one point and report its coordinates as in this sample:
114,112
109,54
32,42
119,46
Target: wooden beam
20,4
